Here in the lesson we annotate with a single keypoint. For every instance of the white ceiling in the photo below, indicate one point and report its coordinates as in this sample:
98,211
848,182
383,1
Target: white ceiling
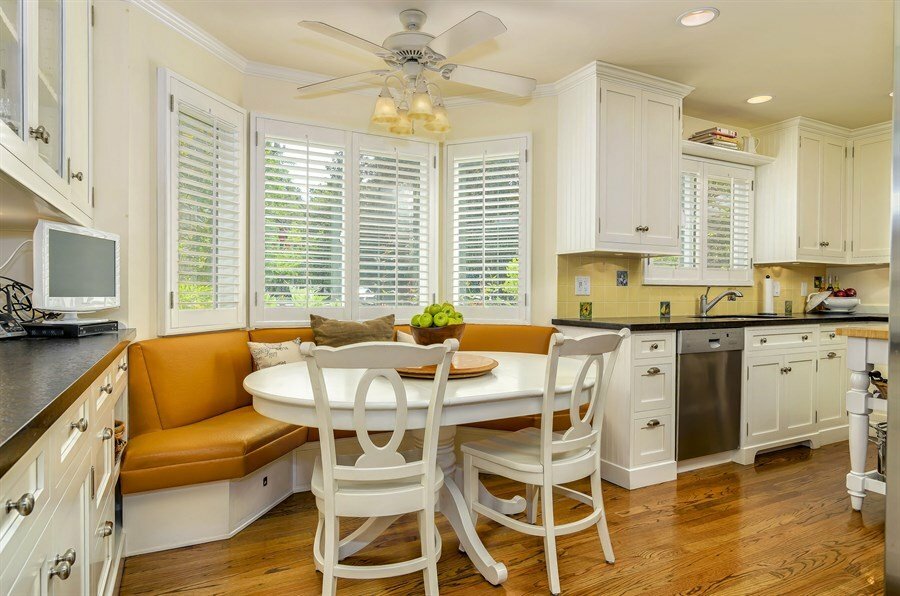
828,60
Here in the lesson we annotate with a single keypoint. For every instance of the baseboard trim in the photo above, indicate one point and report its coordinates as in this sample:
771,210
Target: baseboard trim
632,478
747,455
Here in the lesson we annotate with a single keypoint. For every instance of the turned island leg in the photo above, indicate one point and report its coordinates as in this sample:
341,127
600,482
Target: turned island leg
858,415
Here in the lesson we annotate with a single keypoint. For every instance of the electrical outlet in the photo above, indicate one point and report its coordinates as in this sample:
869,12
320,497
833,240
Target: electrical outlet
582,285
776,287
804,288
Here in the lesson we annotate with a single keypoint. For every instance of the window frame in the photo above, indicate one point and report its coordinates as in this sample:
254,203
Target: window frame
352,310
520,314
703,276
170,86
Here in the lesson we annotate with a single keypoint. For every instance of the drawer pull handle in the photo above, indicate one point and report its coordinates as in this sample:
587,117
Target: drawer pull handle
123,366
654,346
831,354
804,337
106,530
107,388
80,425
24,506
62,567
653,371
785,370
653,423
106,434
832,335
763,340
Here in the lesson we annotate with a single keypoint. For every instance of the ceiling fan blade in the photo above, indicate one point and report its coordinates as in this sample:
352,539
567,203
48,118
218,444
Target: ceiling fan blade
335,33
470,31
340,82
489,79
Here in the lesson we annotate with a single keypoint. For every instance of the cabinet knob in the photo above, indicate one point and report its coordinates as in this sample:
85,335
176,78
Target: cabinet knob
106,434
804,337
69,557
763,340
80,425
785,370
652,423
832,354
123,366
78,176
106,530
62,567
108,388
654,346
40,134
24,506
832,335
653,371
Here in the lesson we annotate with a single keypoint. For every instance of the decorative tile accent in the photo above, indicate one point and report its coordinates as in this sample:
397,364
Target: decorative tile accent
665,308
788,307
622,278
586,311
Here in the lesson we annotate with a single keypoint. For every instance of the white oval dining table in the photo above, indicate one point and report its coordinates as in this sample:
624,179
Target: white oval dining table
514,388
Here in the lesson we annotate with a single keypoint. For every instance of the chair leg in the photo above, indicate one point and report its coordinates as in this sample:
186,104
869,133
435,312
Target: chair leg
470,486
602,529
318,542
427,534
549,536
531,503
330,556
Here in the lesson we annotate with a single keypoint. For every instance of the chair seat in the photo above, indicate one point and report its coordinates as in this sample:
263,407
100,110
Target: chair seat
520,450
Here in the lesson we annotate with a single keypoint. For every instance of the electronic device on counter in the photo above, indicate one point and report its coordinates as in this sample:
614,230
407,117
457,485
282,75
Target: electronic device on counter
10,327
70,330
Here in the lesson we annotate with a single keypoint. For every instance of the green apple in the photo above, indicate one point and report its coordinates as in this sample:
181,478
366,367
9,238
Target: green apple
434,309
460,317
455,321
441,319
415,320
425,320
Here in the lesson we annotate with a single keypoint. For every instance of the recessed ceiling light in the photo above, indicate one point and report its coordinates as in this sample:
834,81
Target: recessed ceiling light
699,16
760,99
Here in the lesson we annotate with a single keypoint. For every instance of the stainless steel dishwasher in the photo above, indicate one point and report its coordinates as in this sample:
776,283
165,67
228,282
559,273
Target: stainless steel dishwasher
708,405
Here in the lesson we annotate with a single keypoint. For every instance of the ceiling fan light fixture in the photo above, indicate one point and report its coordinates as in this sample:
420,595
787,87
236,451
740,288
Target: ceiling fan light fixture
420,105
441,122
698,16
403,125
385,111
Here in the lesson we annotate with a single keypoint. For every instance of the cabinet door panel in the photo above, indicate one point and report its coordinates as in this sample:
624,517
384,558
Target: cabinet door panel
620,171
13,133
833,206
872,198
831,388
763,397
809,189
70,531
799,393
660,168
78,60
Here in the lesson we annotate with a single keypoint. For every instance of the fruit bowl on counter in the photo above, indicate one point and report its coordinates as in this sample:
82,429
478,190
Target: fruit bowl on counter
840,303
832,301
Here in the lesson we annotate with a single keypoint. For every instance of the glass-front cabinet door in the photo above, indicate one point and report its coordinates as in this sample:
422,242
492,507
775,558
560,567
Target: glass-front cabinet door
47,127
12,77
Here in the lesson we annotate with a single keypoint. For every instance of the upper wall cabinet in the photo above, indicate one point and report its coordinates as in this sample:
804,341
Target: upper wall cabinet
45,101
871,198
826,197
619,152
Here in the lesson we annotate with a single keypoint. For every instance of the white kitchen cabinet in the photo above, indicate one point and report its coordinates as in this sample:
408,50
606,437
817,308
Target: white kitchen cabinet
871,198
832,380
799,393
801,198
762,399
70,525
619,155
45,101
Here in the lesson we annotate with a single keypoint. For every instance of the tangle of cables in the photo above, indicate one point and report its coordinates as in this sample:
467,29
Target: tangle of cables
15,300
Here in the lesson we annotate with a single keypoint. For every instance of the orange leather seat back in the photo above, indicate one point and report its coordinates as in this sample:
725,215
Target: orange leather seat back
274,335
185,379
530,339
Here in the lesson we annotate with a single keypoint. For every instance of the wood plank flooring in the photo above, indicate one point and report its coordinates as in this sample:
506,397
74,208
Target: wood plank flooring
782,526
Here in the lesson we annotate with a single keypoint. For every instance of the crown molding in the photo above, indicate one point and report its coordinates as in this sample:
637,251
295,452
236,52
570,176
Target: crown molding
193,32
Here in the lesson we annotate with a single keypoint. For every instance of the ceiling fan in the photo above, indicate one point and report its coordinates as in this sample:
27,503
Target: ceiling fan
409,55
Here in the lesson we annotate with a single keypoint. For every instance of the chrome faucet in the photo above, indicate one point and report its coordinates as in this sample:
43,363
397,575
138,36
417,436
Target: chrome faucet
706,305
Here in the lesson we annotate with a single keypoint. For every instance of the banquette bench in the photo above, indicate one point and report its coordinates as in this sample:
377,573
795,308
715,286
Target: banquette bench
196,443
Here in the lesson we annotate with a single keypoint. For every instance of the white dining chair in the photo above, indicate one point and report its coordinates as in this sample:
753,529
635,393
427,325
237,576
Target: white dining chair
543,459
381,482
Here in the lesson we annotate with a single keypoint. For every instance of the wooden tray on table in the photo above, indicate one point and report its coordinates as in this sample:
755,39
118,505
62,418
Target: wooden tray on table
463,366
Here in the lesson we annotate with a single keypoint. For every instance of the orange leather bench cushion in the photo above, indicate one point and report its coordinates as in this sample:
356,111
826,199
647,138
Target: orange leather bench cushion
224,447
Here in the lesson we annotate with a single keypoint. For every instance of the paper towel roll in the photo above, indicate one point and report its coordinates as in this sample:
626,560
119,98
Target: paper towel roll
768,296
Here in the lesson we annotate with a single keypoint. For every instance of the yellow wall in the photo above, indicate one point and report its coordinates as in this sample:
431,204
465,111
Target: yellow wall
610,300
872,283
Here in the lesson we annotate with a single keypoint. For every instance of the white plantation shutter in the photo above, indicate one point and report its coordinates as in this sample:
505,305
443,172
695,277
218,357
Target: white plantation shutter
487,228
395,225
716,227
202,153
300,262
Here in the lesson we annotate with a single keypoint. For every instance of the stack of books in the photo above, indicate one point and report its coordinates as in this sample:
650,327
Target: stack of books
717,137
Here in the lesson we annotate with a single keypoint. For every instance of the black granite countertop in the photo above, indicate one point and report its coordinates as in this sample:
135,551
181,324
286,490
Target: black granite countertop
41,377
678,323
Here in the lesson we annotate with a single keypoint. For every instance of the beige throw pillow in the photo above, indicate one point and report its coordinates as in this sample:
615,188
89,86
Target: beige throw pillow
335,333
266,355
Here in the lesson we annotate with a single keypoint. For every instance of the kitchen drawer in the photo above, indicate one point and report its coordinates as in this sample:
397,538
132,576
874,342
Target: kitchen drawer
104,539
119,372
828,337
653,345
653,386
25,573
775,338
102,390
103,457
69,434
653,440
27,485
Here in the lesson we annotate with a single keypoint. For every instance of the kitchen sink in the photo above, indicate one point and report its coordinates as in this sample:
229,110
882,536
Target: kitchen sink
742,317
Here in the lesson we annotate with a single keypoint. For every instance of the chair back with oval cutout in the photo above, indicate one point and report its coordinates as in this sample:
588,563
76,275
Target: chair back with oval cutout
584,430
379,361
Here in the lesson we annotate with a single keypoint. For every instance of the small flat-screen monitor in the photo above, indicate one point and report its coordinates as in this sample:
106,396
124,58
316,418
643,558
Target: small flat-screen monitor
76,269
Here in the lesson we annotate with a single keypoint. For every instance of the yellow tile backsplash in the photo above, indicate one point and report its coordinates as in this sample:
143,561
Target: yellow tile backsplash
636,299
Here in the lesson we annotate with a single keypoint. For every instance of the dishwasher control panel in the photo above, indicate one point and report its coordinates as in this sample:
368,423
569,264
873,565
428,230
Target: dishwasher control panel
710,340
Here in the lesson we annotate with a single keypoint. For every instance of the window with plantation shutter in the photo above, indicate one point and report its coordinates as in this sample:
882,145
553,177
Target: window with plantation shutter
486,228
202,214
395,224
716,227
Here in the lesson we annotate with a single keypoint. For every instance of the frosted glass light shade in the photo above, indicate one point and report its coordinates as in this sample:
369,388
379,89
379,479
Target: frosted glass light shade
385,111
420,107
403,125
441,122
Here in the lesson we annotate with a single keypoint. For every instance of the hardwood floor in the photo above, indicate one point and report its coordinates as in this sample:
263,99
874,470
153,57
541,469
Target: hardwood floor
782,526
